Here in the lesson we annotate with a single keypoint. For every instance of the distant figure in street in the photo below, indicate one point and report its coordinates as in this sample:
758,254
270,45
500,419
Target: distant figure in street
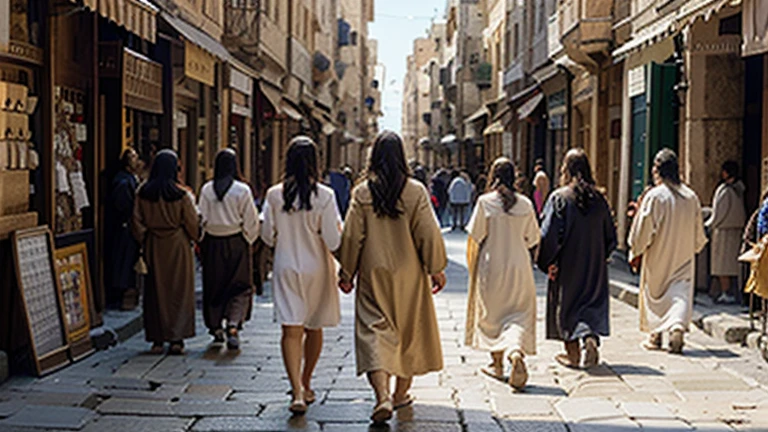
481,184
122,249
420,174
578,236
302,223
342,187
393,246
229,225
666,235
460,195
727,225
540,186
165,223
501,311
439,187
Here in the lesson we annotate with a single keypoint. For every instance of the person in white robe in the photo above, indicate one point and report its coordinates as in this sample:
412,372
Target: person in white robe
501,311
665,237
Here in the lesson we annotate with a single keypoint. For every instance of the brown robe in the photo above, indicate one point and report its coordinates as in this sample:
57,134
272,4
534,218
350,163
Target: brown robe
166,230
395,322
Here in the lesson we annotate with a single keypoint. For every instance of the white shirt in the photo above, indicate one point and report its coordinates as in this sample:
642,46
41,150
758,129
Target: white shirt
235,214
460,191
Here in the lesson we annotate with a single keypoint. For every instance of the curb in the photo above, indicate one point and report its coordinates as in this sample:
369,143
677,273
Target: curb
118,327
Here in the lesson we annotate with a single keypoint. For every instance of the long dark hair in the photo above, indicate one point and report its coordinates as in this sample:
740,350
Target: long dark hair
387,174
503,182
163,182
577,173
300,173
225,172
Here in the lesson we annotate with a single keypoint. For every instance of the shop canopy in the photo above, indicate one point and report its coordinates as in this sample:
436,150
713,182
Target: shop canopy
496,127
197,37
137,16
448,139
529,106
477,115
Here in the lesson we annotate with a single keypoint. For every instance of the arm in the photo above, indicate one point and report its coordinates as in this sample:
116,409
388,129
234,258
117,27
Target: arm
552,232
477,229
352,240
123,197
268,228
609,232
427,236
644,227
701,236
720,207
190,219
250,218
330,225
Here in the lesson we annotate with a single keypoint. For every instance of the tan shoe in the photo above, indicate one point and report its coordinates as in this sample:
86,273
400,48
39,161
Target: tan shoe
572,356
653,343
519,375
382,413
676,342
591,353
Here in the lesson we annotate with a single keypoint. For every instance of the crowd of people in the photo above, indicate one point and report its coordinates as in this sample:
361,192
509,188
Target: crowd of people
382,240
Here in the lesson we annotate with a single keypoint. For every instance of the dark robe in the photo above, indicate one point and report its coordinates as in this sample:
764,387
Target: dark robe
122,249
579,244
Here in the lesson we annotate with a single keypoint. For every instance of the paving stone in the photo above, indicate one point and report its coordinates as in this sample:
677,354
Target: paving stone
252,424
123,383
711,427
351,412
582,409
522,406
640,410
664,425
482,427
262,398
533,425
119,406
215,409
10,407
710,384
58,417
195,391
620,424
137,424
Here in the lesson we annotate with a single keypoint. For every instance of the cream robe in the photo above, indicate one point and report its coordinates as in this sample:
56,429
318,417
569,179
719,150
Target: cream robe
395,322
667,232
501,310
303,273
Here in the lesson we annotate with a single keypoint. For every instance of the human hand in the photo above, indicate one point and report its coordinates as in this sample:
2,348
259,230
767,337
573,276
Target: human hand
438,282
553,271
635,263
346,286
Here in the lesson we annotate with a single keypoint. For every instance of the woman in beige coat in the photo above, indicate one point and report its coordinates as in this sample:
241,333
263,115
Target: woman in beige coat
393,245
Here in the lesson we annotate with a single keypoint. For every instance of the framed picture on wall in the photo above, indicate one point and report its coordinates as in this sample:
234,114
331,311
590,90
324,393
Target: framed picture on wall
41,298
75,284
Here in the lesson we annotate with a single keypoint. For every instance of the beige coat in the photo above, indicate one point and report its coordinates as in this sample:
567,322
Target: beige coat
501,309
166,231
727,224
395,322
667,232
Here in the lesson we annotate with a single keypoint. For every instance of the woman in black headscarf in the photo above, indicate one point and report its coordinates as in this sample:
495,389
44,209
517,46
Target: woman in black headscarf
230,224
165,222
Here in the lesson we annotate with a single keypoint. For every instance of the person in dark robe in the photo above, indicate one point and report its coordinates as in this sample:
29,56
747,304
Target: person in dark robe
342,187
440,192
578,235
165,223
230,224
122,249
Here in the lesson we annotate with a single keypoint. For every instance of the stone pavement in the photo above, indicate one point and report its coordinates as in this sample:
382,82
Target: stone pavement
713,387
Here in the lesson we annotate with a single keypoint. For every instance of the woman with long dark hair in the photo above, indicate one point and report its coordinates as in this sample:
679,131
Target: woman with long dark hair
578,236
501,310
302,223
165,223
229,224
393,246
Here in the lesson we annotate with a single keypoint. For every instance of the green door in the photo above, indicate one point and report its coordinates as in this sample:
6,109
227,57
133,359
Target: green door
663,111
639,148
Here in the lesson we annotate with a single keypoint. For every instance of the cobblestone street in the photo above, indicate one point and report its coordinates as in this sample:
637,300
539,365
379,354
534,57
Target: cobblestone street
713,387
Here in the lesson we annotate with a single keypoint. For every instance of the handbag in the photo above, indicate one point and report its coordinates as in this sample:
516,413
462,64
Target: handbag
141,266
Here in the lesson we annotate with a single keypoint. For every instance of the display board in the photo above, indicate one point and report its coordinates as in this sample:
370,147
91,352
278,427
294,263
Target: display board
75,284
41,298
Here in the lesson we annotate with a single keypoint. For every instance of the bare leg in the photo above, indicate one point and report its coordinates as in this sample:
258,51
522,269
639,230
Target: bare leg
313,345
379,381
291,347
725,284
401,396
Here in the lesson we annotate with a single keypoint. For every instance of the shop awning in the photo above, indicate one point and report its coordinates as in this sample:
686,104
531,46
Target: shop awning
197,37
328,128
495,128
424,142
288,109
646,37
692,10
529,106
477,115
137,16
354,138
450,138
272,94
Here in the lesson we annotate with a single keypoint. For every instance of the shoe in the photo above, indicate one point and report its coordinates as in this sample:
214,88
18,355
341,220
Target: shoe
726,299
298,407
176,348
157,349
572,356
519,375
130,300
309,397
676,342
218,336
382,413
591,353
233,339
494,370
653,343
407,400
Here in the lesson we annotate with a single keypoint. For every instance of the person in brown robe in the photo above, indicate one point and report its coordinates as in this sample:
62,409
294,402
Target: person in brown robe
165,222
393,245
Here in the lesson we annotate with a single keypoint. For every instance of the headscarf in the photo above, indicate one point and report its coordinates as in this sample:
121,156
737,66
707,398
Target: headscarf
225,172
163,181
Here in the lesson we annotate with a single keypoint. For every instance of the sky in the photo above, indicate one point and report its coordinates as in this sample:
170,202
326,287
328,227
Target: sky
397,24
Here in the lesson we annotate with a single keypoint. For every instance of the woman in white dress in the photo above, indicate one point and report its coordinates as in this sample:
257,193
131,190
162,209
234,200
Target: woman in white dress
501,310
302,223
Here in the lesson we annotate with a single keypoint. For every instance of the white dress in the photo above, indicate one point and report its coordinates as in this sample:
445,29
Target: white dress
304,275
501,311
667,232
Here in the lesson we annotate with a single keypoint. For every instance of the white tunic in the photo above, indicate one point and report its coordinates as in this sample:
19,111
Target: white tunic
501,312
234,214
304,277
667,232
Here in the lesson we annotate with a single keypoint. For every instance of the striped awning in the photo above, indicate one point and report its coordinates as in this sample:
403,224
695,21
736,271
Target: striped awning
137,16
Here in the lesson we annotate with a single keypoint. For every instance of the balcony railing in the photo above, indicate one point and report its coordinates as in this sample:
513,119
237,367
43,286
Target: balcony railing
586,29
241,26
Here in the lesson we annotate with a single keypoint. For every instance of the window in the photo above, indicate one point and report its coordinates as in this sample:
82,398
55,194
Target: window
516,49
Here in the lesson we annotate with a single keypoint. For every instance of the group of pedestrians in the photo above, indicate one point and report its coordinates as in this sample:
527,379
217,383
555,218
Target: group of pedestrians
389,250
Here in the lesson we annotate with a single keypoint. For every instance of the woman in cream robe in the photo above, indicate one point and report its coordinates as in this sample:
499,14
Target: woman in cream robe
501,310
392,244
667,233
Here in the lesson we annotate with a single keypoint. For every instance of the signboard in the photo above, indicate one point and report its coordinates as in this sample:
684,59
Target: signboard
75,284
41,298
142,83
199,64
636,80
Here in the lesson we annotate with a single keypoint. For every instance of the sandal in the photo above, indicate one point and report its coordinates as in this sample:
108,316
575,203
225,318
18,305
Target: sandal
218,336
519,375
406,401
591,353
233,339
494,370
176,348
653,343
157,349
382,413
676,342
298,407
309,397
565,360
